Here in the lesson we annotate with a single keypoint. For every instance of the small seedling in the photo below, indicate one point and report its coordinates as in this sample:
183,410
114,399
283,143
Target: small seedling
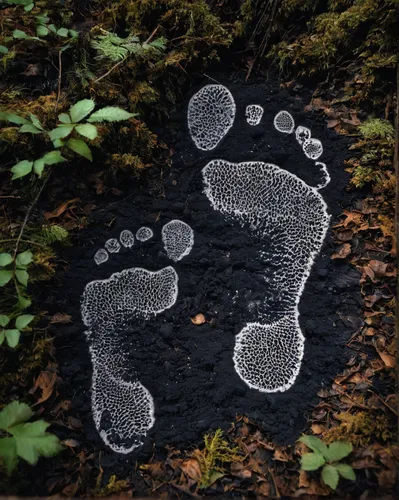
27,440
328,457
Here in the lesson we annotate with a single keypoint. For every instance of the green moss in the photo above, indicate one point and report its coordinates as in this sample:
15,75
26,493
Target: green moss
377,129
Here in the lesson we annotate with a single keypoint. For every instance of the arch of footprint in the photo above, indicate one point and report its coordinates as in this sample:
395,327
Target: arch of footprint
273,205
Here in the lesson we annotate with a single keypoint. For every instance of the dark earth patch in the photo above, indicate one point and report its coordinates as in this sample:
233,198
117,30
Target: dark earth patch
187,368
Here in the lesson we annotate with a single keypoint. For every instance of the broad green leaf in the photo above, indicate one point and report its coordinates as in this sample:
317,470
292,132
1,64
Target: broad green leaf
3,50
20,34
24,258
5,259
81,109
64,118
53,157
38,167
33,441
5,277
2,336
60,132
58,143
14,413
42,30
21,169
346,471
12,337
22,276
23,321
62,32
42,19
65,47
35,120
4,320
330,476
52,28
29,7
312,461
8,453
315,444
23,302
74,34
87,130
31,129
110,114
13,118
80,147
338,450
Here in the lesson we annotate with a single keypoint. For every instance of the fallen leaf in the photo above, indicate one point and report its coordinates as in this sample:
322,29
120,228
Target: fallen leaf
199,319
46,382
388,360
61,318
191,468
342,251
344,235
317,429
61,209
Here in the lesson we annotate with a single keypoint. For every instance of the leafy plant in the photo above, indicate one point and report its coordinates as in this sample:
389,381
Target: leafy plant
27,440
61,135
329,458
28,4
110,46
376,128
216,452
13,335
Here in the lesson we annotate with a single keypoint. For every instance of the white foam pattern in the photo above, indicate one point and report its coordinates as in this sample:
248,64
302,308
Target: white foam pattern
144,234
291,217
112,245
178,239
284,122
327,178
302,134
312,148
253,114
211,113
126,238
101,256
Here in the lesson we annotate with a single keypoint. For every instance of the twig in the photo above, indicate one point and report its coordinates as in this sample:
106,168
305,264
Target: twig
396,167
124,59
25,241
384,403
28,213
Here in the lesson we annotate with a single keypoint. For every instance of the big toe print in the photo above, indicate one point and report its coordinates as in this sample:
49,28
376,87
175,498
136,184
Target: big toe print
123,409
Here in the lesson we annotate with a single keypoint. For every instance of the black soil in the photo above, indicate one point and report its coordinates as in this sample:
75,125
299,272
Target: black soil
187,368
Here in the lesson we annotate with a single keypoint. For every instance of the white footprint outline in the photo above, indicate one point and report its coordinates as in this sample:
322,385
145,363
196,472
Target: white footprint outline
107,305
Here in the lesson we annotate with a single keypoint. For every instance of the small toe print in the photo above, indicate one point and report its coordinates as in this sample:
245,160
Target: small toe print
327,178
312,148
101,256
178,239
144,234
284,122
254,114
126,238
112,245
302,134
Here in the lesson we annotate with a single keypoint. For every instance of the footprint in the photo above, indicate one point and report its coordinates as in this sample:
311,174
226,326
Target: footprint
290,217
123,409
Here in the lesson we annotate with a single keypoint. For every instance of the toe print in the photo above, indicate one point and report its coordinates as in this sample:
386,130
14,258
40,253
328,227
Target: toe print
123,409
254,114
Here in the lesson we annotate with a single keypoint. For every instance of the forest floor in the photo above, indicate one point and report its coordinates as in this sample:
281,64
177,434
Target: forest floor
142,172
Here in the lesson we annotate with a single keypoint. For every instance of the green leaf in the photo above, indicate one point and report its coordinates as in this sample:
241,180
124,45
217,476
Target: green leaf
60,132
64,118
12,337
3,50
346,471
74,34
42,30
81,109
58,143
21,169
14,413
22,277
5,259
23,302
31,129
4,320
13,118
29,7
62,32
315,444
8,453
38,167
42,19
24,258
52,28
2,336
20,34
330,476
110,114
23,321
33,441
87,130
80,147
5,277
53,157
338,450
35,120
312,461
